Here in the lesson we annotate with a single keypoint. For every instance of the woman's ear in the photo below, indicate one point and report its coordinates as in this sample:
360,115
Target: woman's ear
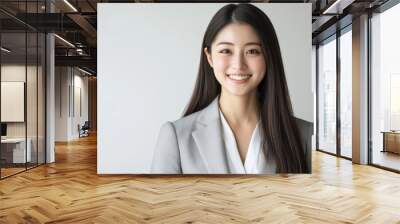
208,55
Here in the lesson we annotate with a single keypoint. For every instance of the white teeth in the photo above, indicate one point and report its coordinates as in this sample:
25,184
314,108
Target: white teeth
239,77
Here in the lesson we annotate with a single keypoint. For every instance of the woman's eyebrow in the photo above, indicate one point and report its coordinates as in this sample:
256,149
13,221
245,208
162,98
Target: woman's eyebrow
250,43
228,43
253,43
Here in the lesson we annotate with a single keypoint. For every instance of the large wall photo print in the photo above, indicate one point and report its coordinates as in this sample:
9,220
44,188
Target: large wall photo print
204,88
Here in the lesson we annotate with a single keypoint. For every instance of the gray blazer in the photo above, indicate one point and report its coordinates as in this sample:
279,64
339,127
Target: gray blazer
194,144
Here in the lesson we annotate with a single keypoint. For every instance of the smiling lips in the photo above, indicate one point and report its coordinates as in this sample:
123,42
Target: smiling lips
239,78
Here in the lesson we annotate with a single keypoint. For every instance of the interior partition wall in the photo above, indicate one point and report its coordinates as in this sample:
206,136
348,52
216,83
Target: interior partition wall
22,77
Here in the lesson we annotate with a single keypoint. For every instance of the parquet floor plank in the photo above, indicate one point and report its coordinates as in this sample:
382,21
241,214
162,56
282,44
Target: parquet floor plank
70,191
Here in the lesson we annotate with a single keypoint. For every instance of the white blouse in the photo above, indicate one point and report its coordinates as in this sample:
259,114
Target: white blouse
255,162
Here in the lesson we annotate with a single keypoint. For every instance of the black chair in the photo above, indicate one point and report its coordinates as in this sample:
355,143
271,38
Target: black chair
84,130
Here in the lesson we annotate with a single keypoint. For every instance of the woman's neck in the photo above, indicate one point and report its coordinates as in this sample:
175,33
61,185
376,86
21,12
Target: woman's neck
239,110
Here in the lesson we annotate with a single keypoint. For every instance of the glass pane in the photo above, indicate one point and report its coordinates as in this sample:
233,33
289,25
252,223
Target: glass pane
13,87
31,86
386,89
345,94
31,101
327,96
22,67
41,98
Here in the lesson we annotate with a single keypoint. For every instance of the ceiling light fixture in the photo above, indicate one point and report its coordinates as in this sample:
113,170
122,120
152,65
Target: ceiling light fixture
337,7
329,9
65,41
5,50
86,72
70,5
79,51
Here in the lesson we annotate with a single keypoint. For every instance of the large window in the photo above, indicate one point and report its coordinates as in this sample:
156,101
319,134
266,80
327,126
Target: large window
346,93
385,89
335,74
327,96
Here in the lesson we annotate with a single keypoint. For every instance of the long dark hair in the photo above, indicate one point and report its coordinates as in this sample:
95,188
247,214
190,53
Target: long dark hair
281,138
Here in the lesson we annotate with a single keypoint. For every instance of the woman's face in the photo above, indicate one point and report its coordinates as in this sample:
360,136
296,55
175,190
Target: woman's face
237,59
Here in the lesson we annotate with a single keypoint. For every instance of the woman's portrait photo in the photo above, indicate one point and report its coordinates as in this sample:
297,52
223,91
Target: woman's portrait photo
239,119
236,113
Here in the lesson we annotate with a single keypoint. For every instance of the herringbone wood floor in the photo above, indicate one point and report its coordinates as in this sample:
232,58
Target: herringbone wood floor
70,191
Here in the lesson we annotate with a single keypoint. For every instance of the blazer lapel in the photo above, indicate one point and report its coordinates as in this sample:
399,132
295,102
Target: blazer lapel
209,140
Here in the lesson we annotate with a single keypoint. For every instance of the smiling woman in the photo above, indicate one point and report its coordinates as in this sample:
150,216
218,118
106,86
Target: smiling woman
239,119
237,59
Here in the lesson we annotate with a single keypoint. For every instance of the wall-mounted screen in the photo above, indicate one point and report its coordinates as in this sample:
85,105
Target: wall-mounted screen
12,101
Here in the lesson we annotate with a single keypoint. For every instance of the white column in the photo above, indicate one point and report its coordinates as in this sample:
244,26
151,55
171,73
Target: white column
360,90
50,92
50,110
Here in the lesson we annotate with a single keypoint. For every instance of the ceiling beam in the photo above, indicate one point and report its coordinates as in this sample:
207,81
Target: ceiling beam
86,26
85,61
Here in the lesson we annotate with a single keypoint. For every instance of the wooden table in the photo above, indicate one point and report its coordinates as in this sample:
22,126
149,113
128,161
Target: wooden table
391,141
13,150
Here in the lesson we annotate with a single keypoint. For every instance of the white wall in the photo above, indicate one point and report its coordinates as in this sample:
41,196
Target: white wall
148,57
61,103
80,84
68,80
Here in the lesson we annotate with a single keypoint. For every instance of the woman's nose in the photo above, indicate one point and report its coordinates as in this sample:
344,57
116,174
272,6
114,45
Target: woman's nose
238,62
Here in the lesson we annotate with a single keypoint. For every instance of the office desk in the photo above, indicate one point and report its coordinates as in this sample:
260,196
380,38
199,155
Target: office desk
13,150
391,141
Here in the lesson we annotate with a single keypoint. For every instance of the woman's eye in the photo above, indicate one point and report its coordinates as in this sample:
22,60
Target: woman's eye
253,52
225,51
